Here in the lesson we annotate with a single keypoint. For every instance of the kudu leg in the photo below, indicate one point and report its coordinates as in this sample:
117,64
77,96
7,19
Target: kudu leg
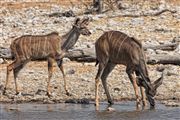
107,70
16,72
135,86
9,69
143,95
60,65
50,71
144,102
97,80
16,67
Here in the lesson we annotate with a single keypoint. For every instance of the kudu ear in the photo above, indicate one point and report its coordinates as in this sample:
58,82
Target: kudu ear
76,21
158,82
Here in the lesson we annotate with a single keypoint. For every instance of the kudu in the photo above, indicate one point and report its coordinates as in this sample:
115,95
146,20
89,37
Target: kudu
114,47
48,47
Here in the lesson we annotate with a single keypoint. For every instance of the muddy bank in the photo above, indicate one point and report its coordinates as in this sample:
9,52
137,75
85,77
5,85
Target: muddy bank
32,81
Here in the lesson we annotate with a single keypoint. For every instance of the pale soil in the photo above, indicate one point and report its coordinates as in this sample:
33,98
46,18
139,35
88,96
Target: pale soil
81,83
80,76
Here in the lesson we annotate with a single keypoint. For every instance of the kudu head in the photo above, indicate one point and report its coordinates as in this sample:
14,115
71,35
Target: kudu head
81,26
150,88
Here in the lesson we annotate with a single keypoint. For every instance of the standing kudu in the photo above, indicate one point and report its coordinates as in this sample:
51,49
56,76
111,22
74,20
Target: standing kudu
115,47
48,47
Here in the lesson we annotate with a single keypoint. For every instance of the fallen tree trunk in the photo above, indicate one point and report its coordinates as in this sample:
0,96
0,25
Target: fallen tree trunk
168,47
88,55
163,59
144,14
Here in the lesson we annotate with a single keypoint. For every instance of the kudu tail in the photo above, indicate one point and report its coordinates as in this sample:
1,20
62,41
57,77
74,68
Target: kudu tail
97,62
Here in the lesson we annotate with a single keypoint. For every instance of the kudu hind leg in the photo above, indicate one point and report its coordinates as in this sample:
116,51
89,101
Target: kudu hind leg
9,69
107,70
135,86
50,71
16,72
12,66
60,65
97,80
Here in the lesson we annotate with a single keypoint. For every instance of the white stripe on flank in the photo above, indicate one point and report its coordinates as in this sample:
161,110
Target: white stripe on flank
44,49
114,44
25,48
121,45
110,35
21,47
37,49
30,45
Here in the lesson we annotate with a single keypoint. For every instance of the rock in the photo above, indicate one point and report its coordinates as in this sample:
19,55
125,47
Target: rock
171,103
71,101
160,68
137,21
41,92
110,109
78,101
71,71
66,60
1,61
177,50
83,101
117,89
169,73
69,13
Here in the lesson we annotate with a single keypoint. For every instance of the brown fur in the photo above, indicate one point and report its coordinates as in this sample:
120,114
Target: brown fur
35,47
114,47
119,48
47,47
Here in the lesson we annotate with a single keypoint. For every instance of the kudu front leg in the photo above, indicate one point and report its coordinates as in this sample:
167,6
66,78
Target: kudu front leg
16,72
9,69
135,86
60,65
144,102
50,71
16,67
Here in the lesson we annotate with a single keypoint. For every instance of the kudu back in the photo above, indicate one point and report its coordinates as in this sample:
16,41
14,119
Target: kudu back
50,47
115,47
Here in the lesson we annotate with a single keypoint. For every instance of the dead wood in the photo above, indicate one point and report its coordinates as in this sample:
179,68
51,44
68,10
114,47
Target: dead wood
167,47
88,55
144,14
164,59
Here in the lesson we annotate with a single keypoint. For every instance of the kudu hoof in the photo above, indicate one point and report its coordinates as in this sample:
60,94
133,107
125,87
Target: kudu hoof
152,107
97,105
110,102
68,94
110,109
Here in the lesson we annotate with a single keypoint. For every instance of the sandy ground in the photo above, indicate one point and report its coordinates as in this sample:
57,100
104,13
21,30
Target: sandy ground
32,79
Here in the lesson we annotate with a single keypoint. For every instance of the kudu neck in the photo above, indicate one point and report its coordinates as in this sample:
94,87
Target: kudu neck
70,39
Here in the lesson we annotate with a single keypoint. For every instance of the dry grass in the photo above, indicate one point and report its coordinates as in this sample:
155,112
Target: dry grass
46,5
42,5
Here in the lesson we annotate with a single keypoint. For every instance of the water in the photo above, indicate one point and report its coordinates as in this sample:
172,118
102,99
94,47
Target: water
124,111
